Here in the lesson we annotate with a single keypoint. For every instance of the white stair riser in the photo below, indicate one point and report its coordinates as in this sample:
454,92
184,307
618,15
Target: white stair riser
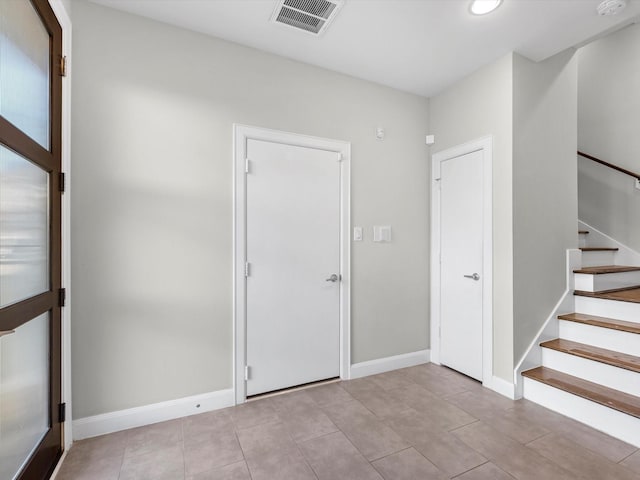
601,307
615,340
597,258
610,421
582,241
607,281
596,372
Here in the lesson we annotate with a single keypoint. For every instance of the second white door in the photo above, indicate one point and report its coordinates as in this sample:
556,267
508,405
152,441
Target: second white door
461,270
293,254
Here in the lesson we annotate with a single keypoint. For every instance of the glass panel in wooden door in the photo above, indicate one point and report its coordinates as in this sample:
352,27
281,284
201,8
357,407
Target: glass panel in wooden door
24,69
24,228
24,393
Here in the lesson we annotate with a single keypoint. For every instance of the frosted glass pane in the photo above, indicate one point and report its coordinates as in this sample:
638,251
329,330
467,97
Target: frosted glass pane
24,228
24,393
24,69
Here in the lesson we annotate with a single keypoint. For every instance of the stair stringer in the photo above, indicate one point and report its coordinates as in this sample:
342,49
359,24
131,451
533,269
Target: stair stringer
533,355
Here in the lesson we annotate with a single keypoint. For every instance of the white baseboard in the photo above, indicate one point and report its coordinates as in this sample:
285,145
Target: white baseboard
502,387
381,365
148,414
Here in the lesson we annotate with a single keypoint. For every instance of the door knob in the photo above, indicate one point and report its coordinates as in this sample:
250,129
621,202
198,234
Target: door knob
333,278
475,276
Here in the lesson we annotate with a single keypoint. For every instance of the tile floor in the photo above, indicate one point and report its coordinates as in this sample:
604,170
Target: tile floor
424,422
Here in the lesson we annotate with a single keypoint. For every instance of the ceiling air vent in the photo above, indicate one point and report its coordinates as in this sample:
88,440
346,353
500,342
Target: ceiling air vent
312,16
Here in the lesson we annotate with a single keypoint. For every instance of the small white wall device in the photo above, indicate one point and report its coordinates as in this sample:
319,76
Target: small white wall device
381,233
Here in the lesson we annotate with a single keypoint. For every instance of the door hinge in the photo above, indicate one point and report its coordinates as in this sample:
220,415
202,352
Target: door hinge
247,372
247,166
339,156
62,412
247,269
62,182
63,66
62,297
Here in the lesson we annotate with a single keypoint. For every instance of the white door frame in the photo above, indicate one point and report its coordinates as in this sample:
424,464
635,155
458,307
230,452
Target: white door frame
241,134
65,22
485,145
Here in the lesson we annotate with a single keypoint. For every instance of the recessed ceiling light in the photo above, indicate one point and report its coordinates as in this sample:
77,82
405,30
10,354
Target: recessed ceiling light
611,7
482,7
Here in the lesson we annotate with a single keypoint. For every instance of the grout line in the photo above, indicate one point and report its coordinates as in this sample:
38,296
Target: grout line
184,457
321,436
473,468
393,453
121,465
306,460
453,430
549,432
235,432
124,452
630,455
528,444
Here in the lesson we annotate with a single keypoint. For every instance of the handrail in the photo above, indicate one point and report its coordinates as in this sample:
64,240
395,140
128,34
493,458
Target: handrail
610,165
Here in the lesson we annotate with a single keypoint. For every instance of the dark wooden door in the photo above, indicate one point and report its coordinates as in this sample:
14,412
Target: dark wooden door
30,240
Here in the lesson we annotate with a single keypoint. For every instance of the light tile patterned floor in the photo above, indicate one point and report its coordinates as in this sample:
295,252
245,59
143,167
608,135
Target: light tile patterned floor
424,422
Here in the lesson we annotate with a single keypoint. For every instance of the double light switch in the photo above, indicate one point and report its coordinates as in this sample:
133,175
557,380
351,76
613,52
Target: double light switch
381,233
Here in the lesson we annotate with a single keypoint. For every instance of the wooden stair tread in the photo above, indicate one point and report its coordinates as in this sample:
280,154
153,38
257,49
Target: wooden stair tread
631,294
597,354
623,402
583,232
599,249
604,269
603,322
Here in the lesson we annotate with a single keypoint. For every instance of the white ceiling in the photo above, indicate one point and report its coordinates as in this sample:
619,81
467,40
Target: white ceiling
420,46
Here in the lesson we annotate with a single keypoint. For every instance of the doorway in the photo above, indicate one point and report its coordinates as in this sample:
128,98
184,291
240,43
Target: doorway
461,259
291,260
31,413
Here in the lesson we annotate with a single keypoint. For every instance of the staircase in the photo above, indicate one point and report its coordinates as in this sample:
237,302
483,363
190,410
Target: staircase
592,371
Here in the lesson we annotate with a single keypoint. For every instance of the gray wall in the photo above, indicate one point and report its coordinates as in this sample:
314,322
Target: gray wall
153,108
478,106
67,6
530,110
608,126
545,207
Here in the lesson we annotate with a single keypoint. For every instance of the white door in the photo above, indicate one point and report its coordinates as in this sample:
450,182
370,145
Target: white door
293,251
461,272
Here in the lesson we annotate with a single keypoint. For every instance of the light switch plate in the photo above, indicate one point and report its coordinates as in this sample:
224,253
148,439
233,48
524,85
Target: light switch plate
357,234
381,233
